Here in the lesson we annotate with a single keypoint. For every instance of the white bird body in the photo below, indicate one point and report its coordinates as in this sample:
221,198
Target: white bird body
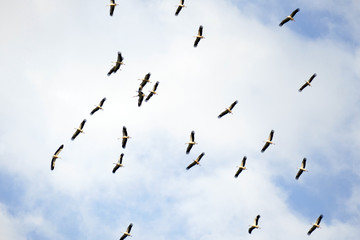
179,7
127,233
268,141
191,143
255,224
315,225
118,164
301,169
196,161
56,156
241,167
290,17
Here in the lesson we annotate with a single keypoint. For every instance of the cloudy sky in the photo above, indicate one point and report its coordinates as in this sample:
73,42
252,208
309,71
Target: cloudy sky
54,62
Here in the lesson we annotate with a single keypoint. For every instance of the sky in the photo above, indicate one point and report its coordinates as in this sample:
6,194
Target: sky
54,62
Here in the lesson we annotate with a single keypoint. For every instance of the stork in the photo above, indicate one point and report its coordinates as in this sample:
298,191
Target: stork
196,161
191,142
144,81
315,225
118,63
301,169
199,36
228,110
308,82
125,137
180,6
268,141
56,156
127,233
141,96
97,107
112,6
152,92
79,130
118,164
290,17
255,224
241,167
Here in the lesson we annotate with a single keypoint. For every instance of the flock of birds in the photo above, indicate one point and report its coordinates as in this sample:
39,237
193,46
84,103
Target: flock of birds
192,142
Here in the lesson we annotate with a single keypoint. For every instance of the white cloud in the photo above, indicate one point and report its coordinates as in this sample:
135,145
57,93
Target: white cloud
242,58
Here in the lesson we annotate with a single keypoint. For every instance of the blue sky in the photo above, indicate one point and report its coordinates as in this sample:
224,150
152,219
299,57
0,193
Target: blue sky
54,59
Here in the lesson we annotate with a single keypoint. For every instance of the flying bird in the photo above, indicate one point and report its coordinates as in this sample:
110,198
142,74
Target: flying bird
191,142
301,169
199,36
127,233
268,141
144,81
125,137
79,130
241,167
118,63
118,164
180,6
56,156
228,110
255,225
290,17
196,161
315,225
307,83
98,106
112,6
141,96
152,92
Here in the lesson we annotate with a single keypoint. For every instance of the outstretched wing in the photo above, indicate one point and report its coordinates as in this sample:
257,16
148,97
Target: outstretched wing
119,58
53,163
94,110
141,98
149,96
271,135
59,149
298,174
129,228
124,131
238,172
233,105
303,86
294,12
76,133
265,147
200,30
312,77
189,148
197,40
319,219
192,136
123,236
303,163
115,168
102,102
113,69
155,86
243,162
250,229
191,165
284,21
223,113
178,10
257,220
200,156
311,230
